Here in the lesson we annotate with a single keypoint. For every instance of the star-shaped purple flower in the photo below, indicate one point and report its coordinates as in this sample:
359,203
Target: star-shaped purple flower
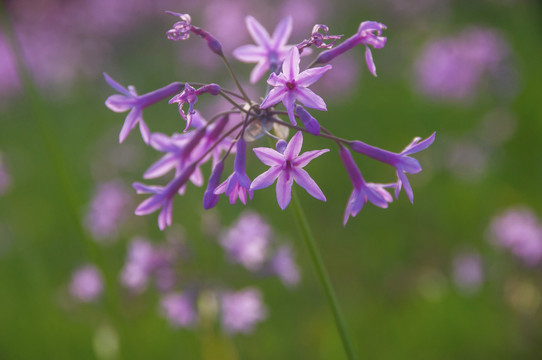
290,85
129,100
269,51
287,167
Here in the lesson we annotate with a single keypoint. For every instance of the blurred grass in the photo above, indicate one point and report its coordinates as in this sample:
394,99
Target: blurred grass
390,268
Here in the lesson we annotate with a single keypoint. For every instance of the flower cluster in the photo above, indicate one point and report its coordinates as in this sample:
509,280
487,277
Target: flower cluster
244,121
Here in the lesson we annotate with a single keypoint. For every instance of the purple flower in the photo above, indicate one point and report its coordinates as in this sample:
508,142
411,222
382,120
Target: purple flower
179,309
190,95
108,210
163,197
363,192
136,271
284,266
287,167
129,100
269,51
242,310
468,272
247,241
519,230
290,85
145,260
238,183
86,284
402,162
369,33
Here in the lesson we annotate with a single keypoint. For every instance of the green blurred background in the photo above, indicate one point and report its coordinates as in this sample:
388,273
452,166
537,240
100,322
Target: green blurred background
392,269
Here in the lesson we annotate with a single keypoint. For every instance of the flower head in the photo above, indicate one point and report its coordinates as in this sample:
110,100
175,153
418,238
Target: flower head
290,85
128,99
287,167
270,51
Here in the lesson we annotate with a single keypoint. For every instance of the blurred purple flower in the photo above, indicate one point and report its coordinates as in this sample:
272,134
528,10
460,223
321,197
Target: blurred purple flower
247,241
136,271
270,51
242,310
179,309
468,272
108,210
452,68
286,168
10,84
86,284
144,261
519,231
290,85
5,177
284,265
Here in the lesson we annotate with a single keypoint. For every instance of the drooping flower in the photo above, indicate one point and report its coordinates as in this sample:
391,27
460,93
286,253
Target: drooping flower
238,183
402,162
318,39
190,95
363,192
287,167
290,85
369,33
128,99
86,284
241,310
247,241
270,51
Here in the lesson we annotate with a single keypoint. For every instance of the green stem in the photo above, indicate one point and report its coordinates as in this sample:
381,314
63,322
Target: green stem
316,259
235,79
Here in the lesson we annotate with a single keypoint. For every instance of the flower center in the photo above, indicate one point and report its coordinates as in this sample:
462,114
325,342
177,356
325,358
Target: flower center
290,85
